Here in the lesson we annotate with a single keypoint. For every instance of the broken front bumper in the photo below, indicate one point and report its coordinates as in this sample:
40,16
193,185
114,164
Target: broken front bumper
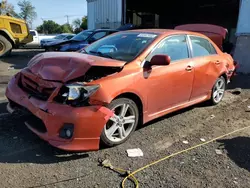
48,119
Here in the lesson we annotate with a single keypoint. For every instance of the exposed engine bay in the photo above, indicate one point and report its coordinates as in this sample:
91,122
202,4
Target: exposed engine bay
97,72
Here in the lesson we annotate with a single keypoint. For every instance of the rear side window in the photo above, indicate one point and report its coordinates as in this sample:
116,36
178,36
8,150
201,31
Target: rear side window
202,47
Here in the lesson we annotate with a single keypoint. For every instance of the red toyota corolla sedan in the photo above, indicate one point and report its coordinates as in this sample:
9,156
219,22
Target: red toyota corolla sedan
77,100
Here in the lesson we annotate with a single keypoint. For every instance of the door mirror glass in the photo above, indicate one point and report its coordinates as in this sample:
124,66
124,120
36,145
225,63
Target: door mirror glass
160,60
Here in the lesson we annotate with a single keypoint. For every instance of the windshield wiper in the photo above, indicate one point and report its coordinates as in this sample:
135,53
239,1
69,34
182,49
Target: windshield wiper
102,54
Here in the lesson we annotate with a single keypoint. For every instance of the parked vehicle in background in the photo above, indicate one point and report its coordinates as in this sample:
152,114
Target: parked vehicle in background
78,100
79,41
36,43
14,33
59,38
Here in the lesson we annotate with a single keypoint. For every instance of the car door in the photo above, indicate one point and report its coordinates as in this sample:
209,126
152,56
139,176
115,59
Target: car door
207,66
171,85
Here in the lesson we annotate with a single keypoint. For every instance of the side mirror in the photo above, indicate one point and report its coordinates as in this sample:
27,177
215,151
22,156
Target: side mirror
160,60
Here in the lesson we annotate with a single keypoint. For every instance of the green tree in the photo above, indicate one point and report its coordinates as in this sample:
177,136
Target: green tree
49,27
84,24
80,24
77,23
28,11
66,28
6,7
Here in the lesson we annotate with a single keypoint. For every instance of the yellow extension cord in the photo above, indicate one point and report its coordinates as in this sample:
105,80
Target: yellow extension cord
135,181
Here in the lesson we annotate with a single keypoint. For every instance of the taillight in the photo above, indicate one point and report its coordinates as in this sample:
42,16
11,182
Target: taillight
236,64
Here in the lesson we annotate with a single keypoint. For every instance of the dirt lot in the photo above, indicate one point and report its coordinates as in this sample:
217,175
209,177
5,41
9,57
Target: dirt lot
26,161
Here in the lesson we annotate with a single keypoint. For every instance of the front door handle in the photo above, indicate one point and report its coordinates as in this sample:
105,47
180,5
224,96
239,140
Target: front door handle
217,62
189,68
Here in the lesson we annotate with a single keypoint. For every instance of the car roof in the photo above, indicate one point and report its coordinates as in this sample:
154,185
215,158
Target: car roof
165,32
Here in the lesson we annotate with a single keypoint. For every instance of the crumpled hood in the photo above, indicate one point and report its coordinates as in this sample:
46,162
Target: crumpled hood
65,66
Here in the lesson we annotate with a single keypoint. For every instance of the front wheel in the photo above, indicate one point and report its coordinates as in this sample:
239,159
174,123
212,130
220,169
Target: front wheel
5,46
218,91
120,127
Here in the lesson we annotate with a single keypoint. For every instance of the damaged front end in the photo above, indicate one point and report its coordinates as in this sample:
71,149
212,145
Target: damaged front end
78,91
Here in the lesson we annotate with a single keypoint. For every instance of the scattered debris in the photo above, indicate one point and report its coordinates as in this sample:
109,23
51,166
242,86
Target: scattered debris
202,139
185,142
236,91
137,152
235,182
218,152
211,117
11,68
244,100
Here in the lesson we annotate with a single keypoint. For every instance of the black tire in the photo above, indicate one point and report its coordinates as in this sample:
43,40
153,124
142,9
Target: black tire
5,46
212,100
104,139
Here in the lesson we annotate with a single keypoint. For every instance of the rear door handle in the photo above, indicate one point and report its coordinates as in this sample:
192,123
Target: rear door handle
189,68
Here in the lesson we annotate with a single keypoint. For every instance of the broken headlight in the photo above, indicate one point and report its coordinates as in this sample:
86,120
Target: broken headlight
77,94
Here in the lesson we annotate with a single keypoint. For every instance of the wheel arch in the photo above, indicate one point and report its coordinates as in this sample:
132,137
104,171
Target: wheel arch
224,75
7,36
134,97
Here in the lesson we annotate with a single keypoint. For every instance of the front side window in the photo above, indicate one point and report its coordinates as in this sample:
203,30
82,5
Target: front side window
175,47
125,46
202,47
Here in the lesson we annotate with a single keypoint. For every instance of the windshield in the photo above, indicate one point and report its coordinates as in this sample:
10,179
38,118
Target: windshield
124,46
82,36
60,37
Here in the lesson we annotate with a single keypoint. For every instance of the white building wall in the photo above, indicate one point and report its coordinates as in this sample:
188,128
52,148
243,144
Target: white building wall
104,13
241,53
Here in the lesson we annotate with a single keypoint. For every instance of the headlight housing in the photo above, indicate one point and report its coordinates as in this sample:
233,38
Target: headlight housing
76,94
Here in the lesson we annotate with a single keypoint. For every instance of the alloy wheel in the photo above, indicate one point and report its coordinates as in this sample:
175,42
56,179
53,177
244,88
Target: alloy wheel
119,127
219,90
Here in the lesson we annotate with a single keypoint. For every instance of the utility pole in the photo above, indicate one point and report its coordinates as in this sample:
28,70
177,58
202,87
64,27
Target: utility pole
43,26
67,16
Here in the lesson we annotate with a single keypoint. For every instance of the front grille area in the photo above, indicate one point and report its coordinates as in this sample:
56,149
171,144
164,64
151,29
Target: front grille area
36,124
33,89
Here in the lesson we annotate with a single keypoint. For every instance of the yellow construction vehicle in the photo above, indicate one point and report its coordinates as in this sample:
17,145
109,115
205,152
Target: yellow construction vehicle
14,32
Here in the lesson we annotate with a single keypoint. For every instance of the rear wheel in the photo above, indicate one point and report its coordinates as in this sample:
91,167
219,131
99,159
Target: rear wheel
218,91
5,46
120,127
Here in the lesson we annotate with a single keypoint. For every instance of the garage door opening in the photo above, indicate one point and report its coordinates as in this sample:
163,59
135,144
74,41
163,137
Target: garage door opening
154,14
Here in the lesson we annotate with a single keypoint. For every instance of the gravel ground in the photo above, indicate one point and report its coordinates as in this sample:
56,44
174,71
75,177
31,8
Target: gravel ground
27,161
